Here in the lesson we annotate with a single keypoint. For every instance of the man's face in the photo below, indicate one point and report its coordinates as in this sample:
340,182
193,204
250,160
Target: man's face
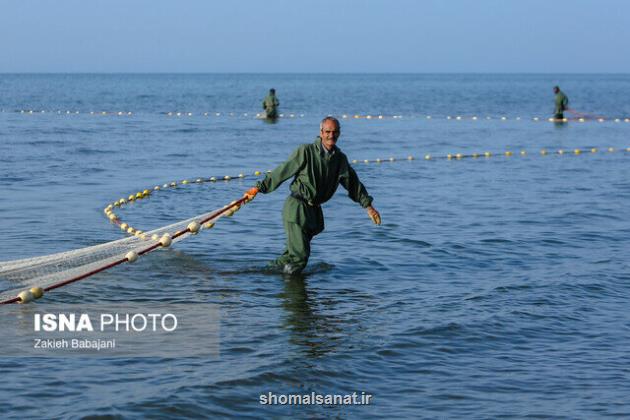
329,133
556,90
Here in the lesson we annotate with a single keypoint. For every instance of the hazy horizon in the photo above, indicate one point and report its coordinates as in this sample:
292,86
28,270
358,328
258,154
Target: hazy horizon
318,73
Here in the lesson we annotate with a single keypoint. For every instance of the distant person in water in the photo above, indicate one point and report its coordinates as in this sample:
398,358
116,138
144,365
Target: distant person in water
562,102
317,170
270,105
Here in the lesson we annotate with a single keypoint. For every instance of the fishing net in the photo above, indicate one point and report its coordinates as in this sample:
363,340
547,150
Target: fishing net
52,271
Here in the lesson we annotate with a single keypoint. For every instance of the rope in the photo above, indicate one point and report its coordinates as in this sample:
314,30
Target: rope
165,241
580,117
125,227
584,115
229,209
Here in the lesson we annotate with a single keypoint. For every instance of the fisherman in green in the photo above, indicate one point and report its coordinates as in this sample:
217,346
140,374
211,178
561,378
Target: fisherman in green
562,102
317,170
270,105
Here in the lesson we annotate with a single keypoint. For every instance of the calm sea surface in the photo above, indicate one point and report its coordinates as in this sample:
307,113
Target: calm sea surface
495,288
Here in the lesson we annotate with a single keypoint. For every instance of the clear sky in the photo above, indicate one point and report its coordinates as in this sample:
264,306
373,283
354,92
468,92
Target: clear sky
415,36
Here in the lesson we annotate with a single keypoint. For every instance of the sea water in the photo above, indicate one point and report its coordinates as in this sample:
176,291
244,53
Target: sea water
495,287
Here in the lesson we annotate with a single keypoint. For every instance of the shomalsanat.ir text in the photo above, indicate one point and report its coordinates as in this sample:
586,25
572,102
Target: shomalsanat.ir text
315,399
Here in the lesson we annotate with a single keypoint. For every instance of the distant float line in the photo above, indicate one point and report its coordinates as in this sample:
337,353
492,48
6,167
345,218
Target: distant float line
347,116
127,200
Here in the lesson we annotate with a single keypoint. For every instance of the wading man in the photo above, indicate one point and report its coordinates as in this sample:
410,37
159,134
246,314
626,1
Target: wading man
270,105
561,102
317,170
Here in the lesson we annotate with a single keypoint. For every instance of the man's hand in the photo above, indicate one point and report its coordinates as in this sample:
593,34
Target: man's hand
374,215
250,194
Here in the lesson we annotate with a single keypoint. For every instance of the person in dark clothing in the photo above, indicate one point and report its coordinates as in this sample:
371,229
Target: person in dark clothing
317,170
561,103
270,105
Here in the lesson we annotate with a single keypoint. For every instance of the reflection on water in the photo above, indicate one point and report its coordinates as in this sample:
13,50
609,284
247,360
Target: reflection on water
270,120
316,332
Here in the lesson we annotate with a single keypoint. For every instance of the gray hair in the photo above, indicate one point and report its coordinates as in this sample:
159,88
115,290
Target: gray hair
329,118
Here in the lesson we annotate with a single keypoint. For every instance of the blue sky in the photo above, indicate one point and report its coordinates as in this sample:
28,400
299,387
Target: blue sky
541,36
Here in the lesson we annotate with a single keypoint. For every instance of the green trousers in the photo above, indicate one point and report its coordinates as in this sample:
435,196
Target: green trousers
301,223
295,257
271,113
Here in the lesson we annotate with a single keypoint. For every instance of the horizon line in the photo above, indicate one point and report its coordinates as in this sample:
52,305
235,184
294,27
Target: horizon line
302,73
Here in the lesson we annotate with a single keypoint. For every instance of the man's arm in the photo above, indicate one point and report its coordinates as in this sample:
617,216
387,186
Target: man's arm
284,171
357,192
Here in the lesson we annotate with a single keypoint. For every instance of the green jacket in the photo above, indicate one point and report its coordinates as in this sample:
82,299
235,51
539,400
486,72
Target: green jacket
316,176
270,102
562,101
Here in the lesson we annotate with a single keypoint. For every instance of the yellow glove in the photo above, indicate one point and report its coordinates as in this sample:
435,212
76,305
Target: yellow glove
374,215
250,194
